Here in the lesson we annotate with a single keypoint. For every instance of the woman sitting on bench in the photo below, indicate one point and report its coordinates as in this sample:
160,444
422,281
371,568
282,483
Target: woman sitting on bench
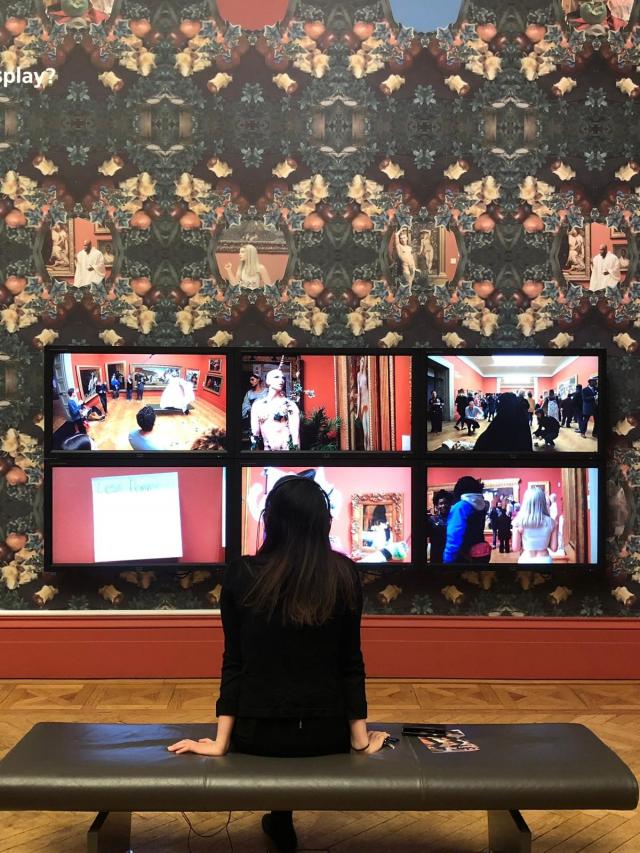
292,670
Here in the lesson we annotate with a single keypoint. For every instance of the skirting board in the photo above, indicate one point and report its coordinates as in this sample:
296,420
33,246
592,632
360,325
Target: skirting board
190,646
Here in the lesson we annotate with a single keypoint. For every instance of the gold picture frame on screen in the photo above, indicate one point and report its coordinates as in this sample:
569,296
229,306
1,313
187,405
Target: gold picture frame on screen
365,402
508,487
88,377
382,510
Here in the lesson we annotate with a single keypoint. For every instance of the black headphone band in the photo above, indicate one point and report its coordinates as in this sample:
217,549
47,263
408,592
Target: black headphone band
289,477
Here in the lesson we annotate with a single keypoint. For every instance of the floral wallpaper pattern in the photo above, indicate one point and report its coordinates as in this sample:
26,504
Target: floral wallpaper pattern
513,128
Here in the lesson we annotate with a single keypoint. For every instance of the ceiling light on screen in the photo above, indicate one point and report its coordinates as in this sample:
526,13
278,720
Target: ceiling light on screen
518,360
512,379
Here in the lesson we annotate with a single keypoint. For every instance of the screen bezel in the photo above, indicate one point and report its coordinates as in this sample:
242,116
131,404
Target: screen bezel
142,565
50,355
419,459
597,455
550,568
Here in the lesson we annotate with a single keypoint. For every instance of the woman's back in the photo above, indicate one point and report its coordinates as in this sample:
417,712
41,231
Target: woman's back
537,538
274,668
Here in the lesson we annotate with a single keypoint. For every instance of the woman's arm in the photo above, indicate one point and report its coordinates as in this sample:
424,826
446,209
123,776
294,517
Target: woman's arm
517,538
227,704
553,540
232,664
264,274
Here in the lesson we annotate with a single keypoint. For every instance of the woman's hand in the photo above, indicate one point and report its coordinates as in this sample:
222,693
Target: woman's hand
376,742
204,746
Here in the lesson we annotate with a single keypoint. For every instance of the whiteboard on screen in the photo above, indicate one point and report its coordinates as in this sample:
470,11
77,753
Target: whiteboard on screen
136,517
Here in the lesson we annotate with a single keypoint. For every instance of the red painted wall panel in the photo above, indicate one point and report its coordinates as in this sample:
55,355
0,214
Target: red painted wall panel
409,647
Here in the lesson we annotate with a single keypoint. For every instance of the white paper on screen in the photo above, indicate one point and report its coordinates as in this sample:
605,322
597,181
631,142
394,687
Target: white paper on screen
136,517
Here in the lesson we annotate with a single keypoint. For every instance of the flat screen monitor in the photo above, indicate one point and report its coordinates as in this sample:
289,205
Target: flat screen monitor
136,401
515,403
371,508
137,515
494,516
325,403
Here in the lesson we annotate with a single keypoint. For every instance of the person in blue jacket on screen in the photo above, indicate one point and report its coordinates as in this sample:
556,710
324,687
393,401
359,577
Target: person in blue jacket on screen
465,542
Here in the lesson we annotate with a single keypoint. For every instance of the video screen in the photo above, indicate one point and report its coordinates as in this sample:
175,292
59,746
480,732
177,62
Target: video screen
138,402
546,517
513,403
371,509
138,515
326,402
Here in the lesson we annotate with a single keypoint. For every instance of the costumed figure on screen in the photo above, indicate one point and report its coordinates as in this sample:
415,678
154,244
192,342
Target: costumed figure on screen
250,272
178,395
90,266
275,418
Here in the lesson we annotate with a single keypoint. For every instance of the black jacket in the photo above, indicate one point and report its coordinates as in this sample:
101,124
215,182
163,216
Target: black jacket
281,671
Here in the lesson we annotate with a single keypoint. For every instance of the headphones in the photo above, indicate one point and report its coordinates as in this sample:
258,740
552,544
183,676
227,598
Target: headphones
288,478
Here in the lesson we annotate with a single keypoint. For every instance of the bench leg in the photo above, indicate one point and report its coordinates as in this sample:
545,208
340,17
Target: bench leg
110,833
508,833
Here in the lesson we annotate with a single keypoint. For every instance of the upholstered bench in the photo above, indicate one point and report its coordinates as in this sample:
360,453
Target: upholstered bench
118,769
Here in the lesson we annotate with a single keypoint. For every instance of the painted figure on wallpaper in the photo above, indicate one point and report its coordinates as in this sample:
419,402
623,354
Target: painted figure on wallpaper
274,418
426,251
406,259
605,270
576,260
60,246
250,273
90,266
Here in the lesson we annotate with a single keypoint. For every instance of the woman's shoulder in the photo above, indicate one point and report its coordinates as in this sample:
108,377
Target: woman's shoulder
240,571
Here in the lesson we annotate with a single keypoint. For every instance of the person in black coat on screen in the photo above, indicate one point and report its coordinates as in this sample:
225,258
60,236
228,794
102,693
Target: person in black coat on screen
461,403
292,670
509,431
435,407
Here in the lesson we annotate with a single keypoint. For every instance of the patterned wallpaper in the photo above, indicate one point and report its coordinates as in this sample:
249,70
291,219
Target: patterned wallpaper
515,129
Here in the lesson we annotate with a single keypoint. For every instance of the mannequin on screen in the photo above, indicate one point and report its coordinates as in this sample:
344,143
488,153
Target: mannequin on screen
275,418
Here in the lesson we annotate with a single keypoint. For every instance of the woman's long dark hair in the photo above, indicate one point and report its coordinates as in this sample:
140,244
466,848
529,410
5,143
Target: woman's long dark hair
299,573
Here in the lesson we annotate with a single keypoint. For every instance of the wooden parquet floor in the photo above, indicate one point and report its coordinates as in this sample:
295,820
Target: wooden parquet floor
610,709
568,441
172,432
